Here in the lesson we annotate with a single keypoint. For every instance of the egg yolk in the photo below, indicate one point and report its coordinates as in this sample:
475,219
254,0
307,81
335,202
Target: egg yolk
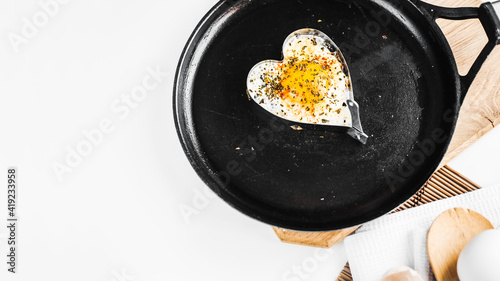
304,83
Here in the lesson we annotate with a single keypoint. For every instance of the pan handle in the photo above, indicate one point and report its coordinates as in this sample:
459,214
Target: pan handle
491,24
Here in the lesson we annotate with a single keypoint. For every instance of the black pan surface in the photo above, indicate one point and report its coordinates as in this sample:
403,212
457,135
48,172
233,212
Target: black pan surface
317,179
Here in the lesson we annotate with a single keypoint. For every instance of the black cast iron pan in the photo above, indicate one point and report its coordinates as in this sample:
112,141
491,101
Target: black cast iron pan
404,78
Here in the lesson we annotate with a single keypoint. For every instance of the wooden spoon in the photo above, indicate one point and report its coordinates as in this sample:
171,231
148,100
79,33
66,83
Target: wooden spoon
448,235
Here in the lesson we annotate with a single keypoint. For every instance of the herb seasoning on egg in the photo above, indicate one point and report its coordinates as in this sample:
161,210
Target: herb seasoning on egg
308,86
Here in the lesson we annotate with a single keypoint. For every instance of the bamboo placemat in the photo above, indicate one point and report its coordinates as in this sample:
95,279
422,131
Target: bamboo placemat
445,183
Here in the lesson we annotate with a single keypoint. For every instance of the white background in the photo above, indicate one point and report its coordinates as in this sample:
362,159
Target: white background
116,215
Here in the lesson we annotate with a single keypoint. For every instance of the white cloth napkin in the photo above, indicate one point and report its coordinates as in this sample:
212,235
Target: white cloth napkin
400,238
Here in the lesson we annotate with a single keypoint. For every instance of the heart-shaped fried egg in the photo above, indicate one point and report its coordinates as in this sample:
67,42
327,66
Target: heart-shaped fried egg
310,85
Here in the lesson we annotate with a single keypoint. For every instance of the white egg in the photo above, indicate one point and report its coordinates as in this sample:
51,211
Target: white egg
480,258
401,273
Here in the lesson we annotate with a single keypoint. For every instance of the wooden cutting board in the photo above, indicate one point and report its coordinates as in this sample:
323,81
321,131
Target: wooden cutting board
479,114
